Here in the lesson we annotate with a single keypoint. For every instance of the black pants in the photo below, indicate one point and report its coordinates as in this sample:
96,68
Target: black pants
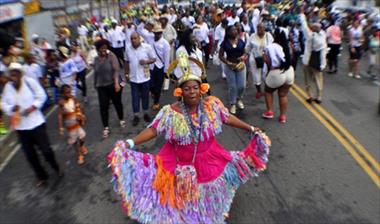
81,78
295,57
332,56
205,49
30,139
157,76
119,52
105,95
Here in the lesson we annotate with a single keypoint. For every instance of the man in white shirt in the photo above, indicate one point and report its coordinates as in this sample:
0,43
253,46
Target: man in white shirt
161,48
138,58
129,29
233,18
32,69
22,100
83,32
147,33
117,38
315,44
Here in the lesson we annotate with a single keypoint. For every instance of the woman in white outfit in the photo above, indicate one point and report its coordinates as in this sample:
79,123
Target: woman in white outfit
280,76
255,49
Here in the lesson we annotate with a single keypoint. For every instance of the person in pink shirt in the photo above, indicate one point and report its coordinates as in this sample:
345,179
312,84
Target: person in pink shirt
334,40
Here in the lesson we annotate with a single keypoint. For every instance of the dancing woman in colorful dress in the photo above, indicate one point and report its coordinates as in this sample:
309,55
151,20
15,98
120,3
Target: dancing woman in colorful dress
193,179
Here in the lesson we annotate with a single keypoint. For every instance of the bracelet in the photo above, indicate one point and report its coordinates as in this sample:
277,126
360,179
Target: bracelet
131,143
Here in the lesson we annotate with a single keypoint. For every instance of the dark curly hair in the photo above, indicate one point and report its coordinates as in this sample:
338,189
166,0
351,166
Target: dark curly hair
98,44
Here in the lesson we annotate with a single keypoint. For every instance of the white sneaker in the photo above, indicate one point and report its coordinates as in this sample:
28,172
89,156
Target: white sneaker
123,124
233,109
350,74
358,77
240,104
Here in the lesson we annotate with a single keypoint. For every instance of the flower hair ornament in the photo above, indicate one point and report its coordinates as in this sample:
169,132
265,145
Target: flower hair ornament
186,73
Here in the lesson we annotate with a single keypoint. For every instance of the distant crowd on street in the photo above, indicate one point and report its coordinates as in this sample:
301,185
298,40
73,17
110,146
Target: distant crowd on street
259,45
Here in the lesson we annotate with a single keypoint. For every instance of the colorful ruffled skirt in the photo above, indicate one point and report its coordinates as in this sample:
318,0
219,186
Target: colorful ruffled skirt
136,174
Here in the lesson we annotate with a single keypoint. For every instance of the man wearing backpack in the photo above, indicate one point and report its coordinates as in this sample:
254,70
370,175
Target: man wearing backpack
22,100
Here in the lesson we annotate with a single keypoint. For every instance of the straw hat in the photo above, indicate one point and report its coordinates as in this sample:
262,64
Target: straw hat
157,28
65,51
219,11
16,66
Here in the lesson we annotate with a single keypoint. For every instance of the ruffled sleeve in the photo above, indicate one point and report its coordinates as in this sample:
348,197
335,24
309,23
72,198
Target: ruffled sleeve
169,124
216,105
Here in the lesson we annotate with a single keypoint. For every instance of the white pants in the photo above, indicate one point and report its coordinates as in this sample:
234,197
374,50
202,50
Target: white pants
258,74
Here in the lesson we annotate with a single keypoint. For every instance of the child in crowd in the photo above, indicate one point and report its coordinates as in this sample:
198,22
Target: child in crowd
71,115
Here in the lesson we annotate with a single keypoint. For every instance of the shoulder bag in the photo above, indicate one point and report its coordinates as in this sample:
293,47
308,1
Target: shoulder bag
315,56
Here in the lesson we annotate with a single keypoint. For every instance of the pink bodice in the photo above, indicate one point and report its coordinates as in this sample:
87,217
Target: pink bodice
210,160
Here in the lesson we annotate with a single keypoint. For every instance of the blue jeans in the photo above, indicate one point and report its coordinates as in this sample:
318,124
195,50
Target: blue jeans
236,81
140,91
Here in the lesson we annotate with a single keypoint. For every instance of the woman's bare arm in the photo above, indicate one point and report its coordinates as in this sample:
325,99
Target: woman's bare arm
235,122
144,136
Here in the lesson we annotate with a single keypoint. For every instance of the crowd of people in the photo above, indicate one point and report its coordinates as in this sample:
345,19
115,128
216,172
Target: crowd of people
150,47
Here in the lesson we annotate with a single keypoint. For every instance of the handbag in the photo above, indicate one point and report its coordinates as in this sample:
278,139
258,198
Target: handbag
315,57
240,66
186,175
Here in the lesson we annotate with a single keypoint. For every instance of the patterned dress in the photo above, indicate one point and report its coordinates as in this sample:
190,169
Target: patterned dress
148,183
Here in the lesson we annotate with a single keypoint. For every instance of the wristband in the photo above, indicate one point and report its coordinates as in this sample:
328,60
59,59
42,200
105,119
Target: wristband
131,143
252,129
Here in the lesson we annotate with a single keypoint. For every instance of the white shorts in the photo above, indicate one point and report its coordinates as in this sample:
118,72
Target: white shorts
277,78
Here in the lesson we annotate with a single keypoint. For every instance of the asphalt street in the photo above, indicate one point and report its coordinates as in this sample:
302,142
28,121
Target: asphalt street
311,177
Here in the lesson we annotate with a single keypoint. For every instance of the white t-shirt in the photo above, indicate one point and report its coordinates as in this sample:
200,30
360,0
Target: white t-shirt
67,70
194,67
33,71
276,54
356,35
117,37
188,21
201,32
172,18
148,36
79,62
133,56
232,21
219,34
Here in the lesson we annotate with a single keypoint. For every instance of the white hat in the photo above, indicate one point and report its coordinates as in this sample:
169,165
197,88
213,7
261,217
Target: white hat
16,66
114,21
35,36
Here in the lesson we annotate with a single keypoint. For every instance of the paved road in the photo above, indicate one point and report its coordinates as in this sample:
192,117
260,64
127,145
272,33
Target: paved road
311,176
